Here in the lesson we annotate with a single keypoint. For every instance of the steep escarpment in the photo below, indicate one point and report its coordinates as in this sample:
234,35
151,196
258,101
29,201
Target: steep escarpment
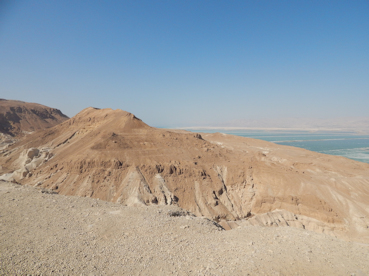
18,118
114,156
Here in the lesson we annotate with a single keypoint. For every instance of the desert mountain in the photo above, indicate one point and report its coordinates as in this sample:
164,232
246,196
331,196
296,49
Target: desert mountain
114,156
17,118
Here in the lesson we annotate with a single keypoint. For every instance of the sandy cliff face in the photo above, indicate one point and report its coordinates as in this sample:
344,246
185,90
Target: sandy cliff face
18,118
113,156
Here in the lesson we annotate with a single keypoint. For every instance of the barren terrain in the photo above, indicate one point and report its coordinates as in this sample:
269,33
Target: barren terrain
113,156
50,234
105,194
18,118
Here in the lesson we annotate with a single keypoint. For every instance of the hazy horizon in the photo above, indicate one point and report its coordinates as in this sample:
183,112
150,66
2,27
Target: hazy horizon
188,63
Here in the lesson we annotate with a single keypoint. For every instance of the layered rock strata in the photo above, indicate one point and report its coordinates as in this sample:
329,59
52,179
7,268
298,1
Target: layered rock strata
114,156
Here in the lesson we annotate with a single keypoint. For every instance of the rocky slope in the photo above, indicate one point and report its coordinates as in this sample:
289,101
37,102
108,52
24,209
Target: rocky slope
113,156
18,118
49,234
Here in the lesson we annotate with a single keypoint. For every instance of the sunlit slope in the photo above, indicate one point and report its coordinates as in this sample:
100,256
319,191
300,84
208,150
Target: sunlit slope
114,156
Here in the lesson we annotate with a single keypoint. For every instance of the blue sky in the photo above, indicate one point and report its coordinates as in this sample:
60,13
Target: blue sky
182,63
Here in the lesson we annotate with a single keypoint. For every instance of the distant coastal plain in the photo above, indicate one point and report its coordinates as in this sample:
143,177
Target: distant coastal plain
348,144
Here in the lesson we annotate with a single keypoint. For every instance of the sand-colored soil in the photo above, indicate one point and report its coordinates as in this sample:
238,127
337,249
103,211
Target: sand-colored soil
105,194
50,234
112,155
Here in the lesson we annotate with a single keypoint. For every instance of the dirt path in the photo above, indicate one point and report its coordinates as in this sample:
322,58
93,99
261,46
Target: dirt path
46,234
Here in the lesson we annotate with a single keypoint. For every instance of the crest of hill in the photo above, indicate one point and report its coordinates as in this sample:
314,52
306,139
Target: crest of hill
18,118
114,156
89,127
117,119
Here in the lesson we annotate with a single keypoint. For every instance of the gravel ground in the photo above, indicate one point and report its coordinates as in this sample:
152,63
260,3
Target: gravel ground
50,234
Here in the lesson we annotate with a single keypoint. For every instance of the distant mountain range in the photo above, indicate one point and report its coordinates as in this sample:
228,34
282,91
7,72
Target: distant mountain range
351,124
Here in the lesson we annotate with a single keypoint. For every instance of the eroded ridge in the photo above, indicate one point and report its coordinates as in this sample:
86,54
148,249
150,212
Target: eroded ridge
114,156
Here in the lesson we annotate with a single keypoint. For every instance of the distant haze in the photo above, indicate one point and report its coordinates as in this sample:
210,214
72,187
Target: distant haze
185,63
359,125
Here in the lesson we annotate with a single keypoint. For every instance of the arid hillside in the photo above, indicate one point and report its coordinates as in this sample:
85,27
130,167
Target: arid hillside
18,118
113,156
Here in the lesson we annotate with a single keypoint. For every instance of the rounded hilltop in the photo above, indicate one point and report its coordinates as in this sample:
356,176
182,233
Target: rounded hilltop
114,156
117,118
